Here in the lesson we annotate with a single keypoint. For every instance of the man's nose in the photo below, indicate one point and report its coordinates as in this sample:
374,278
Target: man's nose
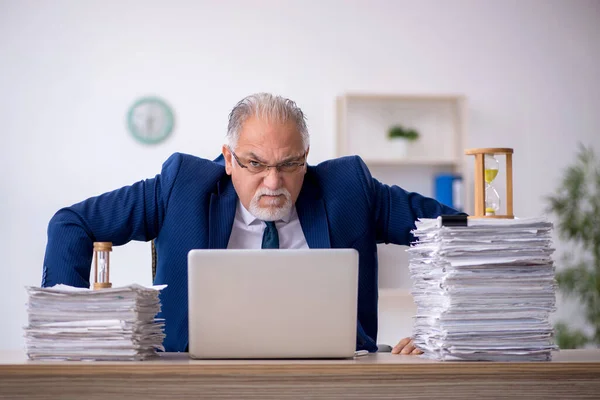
273,179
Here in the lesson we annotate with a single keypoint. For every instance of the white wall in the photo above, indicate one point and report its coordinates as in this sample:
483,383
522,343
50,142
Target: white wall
70,69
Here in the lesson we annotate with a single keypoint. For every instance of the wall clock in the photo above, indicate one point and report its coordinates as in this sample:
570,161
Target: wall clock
150,120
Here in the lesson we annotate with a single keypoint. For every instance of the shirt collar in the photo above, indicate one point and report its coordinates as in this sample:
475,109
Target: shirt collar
249,219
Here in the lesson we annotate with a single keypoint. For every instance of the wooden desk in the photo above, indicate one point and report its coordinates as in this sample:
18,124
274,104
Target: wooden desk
571,374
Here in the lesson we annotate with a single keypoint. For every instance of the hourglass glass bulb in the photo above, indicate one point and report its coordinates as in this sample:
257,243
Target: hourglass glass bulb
491,168
492,198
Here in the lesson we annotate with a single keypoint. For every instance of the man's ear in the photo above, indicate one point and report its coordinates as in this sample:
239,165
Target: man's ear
228,159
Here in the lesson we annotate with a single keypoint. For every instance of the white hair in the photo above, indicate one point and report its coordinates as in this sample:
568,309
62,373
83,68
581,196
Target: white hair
266,106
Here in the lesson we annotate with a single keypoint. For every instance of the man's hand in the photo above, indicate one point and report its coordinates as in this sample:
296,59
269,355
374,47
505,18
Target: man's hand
406,346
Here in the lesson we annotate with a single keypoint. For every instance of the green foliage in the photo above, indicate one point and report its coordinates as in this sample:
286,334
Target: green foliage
577,206
398,131
569,339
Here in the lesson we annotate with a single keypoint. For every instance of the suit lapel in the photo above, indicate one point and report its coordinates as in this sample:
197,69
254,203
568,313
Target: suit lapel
222,212
311,213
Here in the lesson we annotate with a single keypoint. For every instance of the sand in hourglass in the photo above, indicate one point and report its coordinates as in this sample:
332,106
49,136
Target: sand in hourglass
490,175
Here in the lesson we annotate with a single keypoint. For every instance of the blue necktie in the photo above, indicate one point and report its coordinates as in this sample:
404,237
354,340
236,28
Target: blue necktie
270,236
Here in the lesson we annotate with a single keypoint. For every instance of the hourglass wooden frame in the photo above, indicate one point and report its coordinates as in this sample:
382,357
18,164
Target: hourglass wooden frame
480,181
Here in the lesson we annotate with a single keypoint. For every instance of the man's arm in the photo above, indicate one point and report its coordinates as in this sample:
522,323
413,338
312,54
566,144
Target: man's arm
395,210
133,212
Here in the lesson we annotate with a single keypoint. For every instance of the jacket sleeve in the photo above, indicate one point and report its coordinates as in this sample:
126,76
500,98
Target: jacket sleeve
395,210
133,212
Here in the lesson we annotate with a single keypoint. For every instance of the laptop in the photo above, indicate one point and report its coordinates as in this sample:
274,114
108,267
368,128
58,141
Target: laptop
272,303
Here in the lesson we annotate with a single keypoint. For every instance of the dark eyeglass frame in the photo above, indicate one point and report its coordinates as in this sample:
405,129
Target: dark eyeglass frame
291,166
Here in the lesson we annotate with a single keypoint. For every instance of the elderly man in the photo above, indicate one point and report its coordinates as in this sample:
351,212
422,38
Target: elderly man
259,193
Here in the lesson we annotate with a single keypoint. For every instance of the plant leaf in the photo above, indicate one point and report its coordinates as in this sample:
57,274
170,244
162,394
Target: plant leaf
569,339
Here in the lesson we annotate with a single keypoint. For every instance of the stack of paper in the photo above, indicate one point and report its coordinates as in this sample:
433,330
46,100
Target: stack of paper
67,323
484,291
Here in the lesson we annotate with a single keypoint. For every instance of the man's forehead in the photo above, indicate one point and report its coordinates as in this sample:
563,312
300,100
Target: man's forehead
265,129
266,140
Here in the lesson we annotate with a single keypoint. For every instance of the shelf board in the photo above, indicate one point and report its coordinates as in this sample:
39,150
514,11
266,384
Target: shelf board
411,162
408,97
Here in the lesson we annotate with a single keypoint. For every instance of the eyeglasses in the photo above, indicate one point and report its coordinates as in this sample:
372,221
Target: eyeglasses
255,167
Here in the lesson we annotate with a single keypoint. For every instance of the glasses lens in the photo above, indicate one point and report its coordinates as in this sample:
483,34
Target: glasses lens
289,167
256,168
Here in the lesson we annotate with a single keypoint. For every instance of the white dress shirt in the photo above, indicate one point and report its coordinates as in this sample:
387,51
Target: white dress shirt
247,231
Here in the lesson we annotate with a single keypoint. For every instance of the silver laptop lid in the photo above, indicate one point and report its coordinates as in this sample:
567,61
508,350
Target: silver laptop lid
272,303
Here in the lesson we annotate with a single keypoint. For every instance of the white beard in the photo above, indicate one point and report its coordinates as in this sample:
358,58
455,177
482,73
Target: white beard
271,212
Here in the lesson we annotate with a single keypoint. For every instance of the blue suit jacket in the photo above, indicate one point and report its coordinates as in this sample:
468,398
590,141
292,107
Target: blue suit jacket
191,205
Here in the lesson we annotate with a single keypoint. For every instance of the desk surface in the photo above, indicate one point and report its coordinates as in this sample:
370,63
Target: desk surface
571,374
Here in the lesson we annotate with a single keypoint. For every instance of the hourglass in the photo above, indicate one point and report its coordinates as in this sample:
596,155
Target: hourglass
487,166
102,265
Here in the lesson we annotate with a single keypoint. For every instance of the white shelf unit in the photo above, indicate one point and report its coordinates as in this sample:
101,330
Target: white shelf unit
363,121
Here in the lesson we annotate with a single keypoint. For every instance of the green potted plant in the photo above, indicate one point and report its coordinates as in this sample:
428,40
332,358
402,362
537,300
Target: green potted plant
400,137
576,205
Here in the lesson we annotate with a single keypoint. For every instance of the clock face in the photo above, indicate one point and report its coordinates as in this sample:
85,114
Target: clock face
150,120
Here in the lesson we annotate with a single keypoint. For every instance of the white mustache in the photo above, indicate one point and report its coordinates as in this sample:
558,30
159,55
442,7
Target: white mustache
268,192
